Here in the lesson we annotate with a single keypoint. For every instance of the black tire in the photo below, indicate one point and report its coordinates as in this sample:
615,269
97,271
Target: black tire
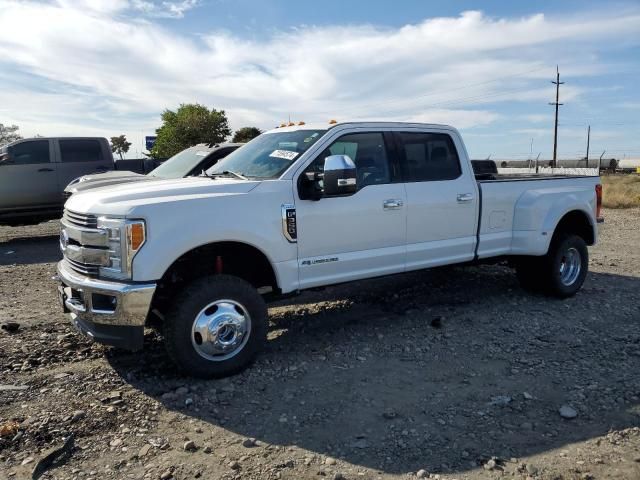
544,274
189,303
560,246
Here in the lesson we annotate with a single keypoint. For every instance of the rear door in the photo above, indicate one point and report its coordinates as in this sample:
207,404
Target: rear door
28,176
442,201
81,156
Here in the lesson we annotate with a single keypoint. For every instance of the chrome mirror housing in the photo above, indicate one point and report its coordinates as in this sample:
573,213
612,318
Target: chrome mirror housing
340,176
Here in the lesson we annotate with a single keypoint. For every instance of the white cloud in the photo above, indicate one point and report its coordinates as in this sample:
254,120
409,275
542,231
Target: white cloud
95,6
163,9
537,118
153,8
143,6
117,72
177,9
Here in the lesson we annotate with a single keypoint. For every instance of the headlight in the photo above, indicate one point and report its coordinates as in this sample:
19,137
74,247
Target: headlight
125,237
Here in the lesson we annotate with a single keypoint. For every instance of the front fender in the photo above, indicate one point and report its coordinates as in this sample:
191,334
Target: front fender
177,227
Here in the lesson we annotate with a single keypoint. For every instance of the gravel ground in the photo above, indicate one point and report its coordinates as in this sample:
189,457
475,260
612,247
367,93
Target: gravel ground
453,373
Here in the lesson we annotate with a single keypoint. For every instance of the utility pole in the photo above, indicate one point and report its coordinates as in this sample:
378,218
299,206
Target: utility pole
588,138
555,130
530,154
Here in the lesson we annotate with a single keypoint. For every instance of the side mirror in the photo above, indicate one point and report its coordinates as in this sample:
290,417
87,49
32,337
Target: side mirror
5,158
339,175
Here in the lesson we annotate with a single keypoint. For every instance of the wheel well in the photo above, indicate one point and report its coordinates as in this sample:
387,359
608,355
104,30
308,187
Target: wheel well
578,223
231,258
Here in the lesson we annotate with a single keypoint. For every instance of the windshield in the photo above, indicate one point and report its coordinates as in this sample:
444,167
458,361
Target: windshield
268,155
181,163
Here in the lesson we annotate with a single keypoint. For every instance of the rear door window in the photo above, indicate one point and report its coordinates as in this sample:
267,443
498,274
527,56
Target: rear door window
29,153
81,150
428,157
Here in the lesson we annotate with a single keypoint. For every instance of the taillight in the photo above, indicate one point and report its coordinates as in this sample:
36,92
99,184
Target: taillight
598,201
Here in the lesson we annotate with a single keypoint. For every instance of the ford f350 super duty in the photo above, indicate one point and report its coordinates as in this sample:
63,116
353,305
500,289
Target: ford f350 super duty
302,207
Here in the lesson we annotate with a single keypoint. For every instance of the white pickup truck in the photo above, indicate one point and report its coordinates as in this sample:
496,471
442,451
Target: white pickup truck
302,207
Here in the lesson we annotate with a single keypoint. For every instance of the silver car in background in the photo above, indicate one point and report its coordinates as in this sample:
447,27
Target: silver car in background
189,162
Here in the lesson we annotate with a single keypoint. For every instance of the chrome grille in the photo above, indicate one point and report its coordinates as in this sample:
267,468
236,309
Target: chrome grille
83,268
81,230
80,219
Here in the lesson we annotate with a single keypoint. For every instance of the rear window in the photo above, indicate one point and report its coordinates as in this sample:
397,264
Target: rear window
428,157
83,150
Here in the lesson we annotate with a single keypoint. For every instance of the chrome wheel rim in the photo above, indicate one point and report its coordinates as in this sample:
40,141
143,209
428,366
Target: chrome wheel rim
570,266
221,330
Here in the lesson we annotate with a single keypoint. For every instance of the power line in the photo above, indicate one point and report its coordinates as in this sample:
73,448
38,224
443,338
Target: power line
464,100
582,124
440,92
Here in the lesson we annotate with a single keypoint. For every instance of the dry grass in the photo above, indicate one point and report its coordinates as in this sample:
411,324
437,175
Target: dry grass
620,191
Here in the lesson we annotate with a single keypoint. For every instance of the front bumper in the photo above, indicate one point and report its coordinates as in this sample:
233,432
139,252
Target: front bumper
111,312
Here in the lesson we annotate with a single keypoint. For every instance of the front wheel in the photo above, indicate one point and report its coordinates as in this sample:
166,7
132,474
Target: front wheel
216,326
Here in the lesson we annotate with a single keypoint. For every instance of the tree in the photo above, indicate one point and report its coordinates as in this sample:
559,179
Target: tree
189,125
9,134
245,134
120,145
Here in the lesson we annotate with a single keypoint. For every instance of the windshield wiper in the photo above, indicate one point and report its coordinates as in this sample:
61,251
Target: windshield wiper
229,172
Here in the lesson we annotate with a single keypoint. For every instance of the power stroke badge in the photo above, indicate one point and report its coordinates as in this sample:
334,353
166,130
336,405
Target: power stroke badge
289,225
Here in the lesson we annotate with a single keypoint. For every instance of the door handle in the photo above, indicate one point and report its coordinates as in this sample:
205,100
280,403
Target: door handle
45,169
465,197
392,204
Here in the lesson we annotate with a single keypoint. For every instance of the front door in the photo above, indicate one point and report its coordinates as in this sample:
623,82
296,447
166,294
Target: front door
28,177
360,235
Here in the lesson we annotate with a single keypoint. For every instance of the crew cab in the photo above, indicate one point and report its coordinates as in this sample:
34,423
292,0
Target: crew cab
189,162
302,207
35,171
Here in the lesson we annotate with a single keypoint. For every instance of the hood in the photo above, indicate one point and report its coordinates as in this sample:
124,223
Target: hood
122,199
96,180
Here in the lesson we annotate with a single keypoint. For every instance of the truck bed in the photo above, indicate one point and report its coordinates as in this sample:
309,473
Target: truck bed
518,212
487,171
512,177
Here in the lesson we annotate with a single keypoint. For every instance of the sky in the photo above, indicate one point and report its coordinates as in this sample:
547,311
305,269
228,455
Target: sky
110,67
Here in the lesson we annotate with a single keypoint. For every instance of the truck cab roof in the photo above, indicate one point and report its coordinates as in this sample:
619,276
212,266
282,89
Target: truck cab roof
362,123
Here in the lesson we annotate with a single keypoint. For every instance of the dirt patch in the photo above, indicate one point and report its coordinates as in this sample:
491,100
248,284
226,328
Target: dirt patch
455,373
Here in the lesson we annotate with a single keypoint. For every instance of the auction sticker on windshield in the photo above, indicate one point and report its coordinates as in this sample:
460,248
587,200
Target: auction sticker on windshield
286,154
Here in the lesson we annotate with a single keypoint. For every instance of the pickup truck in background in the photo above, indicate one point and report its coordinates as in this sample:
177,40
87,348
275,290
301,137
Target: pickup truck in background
303,207
189,162
35,171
